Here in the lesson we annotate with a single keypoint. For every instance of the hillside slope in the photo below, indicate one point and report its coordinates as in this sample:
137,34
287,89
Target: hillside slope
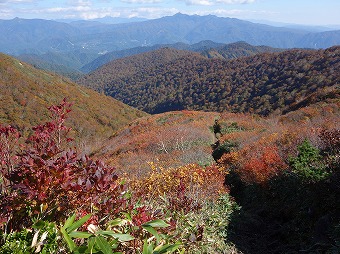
236,50
260,84
178,138
283,206
27,92
207,48
123,69
171,139
52,63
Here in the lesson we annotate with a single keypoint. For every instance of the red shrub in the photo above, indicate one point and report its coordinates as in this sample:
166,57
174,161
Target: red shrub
262,165
42,175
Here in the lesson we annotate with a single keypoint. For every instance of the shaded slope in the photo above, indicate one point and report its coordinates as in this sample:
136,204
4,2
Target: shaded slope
108,57
281,209
49,64
321,40
27,92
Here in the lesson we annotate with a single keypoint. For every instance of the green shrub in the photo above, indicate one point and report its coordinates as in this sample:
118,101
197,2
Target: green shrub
223,148
42,239
205,231
308,164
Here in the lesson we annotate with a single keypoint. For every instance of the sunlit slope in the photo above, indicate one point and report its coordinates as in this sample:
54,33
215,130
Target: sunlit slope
27,92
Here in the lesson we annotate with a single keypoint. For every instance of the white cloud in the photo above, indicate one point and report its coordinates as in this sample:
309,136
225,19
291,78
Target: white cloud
94,15
235,13
15,1
198,2
235,1
141,1
65,9
149,13
88,12
216,2
79,3
143,12
5,13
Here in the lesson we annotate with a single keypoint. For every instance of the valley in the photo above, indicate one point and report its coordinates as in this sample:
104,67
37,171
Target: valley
184,134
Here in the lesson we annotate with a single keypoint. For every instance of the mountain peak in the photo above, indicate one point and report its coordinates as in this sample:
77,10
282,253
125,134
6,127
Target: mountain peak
182,15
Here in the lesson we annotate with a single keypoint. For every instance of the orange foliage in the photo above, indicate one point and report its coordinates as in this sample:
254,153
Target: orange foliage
229,160
200,182
171,139
262,165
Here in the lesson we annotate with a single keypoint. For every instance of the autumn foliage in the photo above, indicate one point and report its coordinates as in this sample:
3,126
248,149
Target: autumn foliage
27,92
262,84
43,175
271,166
263,165
194,181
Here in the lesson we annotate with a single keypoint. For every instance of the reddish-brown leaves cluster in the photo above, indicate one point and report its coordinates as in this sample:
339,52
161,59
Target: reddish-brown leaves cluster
141,216
262,165
181,202
43,172
330,140
9,137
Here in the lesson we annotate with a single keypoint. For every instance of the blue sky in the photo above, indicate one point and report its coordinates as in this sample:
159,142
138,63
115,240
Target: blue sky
308,12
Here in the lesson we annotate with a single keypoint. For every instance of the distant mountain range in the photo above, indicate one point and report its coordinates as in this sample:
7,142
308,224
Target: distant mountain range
310,28
71,47
40,36
170,79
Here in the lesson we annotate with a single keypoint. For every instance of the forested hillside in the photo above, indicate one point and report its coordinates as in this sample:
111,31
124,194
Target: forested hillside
140,64
27,92
208,48
260,84
236,50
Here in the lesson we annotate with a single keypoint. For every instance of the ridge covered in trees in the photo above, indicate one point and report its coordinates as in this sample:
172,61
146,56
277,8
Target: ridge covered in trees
261,84
236,50
206,48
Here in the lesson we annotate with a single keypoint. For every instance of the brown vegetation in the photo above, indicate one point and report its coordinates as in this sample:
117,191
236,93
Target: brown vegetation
27,92
261,84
